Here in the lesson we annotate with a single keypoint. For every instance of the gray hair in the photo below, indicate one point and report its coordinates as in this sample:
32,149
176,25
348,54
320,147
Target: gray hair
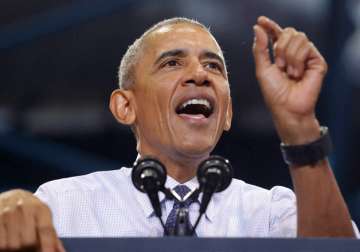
126,73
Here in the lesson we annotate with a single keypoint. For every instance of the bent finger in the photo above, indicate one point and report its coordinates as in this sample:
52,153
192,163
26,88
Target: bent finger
28,232
270,27
12,227
47,239
297,41
301,58
3,235
280,48
60,246
46,234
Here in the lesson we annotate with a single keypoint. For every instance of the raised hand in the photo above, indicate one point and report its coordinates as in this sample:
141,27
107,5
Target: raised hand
291,85
26,224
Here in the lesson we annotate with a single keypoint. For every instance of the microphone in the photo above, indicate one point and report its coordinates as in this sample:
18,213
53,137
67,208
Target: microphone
149,176
214,175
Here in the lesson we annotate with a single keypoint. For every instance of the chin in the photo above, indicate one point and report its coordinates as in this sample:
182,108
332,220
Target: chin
196,146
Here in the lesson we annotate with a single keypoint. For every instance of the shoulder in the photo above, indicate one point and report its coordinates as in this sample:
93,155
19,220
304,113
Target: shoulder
257,211
97,181
246,189
276,199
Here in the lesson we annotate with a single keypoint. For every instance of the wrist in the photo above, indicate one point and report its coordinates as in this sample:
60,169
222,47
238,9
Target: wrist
298,130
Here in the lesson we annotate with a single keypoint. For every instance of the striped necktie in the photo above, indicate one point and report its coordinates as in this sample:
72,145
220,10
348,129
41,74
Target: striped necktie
182,191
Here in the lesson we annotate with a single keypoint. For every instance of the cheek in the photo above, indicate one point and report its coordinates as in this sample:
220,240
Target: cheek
153,105
169,79
224,93
225,102
146,107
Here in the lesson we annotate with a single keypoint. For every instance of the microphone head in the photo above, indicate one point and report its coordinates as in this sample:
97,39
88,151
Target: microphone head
148,169
215,167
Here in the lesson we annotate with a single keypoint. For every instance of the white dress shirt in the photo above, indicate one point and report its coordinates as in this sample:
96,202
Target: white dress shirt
106,204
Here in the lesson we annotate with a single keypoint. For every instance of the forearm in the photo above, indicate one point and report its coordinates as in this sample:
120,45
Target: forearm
321,207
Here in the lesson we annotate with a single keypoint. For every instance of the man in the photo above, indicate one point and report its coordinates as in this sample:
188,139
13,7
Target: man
174,94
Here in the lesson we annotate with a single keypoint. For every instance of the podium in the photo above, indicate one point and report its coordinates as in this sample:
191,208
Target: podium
185,244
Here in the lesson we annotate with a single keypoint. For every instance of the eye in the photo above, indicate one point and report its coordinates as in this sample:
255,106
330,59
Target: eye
171,63
214,66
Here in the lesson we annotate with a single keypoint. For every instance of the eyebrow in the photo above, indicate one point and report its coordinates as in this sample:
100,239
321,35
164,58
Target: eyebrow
183,53
172,53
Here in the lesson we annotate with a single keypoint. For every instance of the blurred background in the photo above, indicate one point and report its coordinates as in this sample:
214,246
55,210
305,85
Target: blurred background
58,67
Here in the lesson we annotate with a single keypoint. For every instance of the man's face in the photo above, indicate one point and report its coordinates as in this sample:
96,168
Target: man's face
181,93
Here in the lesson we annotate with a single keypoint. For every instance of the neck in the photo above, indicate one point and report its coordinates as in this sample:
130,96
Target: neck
180,167
182,170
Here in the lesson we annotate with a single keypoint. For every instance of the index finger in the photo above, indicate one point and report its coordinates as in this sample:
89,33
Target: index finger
270,26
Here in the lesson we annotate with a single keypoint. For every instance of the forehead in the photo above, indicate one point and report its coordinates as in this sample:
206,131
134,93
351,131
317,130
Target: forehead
183,35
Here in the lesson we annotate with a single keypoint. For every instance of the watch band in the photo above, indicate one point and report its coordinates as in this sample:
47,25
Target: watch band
308,154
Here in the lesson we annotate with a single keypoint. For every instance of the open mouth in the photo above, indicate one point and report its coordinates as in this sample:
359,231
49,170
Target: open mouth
195,106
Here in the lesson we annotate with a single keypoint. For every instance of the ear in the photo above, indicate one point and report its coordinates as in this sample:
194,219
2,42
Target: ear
229,115
122,106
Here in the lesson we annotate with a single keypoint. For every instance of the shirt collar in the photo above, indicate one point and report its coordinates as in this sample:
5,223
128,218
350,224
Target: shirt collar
145,203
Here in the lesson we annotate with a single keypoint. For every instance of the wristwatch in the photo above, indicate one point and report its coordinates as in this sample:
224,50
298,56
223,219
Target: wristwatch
310,153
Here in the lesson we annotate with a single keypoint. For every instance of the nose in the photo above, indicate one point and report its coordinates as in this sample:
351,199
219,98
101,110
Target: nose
197,75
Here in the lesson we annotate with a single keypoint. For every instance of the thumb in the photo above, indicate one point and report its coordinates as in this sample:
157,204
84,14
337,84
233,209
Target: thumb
60,246
260,49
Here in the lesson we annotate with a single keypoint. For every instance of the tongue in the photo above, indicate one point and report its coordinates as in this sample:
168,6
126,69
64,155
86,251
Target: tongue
193,116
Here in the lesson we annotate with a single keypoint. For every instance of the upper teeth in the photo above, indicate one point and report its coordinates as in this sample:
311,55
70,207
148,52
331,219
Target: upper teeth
197,101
